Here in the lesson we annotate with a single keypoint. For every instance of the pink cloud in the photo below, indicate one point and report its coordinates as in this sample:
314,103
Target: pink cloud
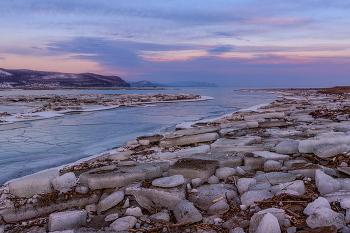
276,20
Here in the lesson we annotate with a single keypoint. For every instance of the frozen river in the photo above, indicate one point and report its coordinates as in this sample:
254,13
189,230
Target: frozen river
28,147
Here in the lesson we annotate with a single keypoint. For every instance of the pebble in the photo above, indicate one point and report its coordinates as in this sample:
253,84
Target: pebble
265,184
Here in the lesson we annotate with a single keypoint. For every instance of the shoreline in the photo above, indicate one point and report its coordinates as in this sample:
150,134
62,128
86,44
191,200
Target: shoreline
277,159
182,125
22,117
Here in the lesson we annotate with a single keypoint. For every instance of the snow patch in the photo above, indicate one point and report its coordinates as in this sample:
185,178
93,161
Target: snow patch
2,72
187,125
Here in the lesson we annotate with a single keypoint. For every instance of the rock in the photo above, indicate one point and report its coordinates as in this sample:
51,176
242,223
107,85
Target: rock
198,130
294,162
308,145
169,182
91,209
67,220
81,189
193,150
237,230
325,229
345,170
255,162
342,128
344,183
257,217
275,178
131,143
270,124
271,155
325,183
235,222
345,203
213,180
120,176
329,150
165,156
271,165
224,159
252,124
297,185
206,194
110,201
65,182
119,156
219,207
240,171
347,216
185,211
126,203
144,142
324,216
268,224
230,145
307,170
197,182
343,164
224,172
160,216
124,223
260,187
248,198
283,133
287,147
39,230
186,140
111,217
154,198
279,115
194,168
288,191
29,211
243,184
337,196
318,203
37,183
134,212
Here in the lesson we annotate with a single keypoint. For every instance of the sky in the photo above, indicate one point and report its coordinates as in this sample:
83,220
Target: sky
238,43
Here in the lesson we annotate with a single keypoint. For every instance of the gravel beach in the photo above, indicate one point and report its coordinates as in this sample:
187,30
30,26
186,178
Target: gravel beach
283,167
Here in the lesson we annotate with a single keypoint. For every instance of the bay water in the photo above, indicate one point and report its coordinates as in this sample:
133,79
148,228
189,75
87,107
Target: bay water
31,146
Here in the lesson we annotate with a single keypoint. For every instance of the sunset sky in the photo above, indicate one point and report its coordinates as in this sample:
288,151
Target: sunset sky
241,43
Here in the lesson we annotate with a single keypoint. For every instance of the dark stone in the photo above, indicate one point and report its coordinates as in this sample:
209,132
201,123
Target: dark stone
235,222
327,229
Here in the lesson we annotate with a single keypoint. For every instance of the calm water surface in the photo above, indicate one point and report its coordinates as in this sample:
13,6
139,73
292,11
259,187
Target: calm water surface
28,147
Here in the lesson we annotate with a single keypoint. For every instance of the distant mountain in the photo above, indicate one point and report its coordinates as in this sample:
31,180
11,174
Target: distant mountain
145,83
192,84
43,79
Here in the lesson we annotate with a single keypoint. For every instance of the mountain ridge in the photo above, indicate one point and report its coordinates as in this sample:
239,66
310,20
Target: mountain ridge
25,78
31,78
145,83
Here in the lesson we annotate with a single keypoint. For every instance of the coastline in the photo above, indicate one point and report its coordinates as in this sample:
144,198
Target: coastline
292,150
20,117
183,125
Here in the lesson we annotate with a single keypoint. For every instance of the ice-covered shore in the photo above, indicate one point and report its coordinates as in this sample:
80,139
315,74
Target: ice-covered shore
282,167
37,107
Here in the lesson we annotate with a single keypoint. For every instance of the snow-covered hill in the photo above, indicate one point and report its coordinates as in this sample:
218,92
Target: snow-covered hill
32,78
4,73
